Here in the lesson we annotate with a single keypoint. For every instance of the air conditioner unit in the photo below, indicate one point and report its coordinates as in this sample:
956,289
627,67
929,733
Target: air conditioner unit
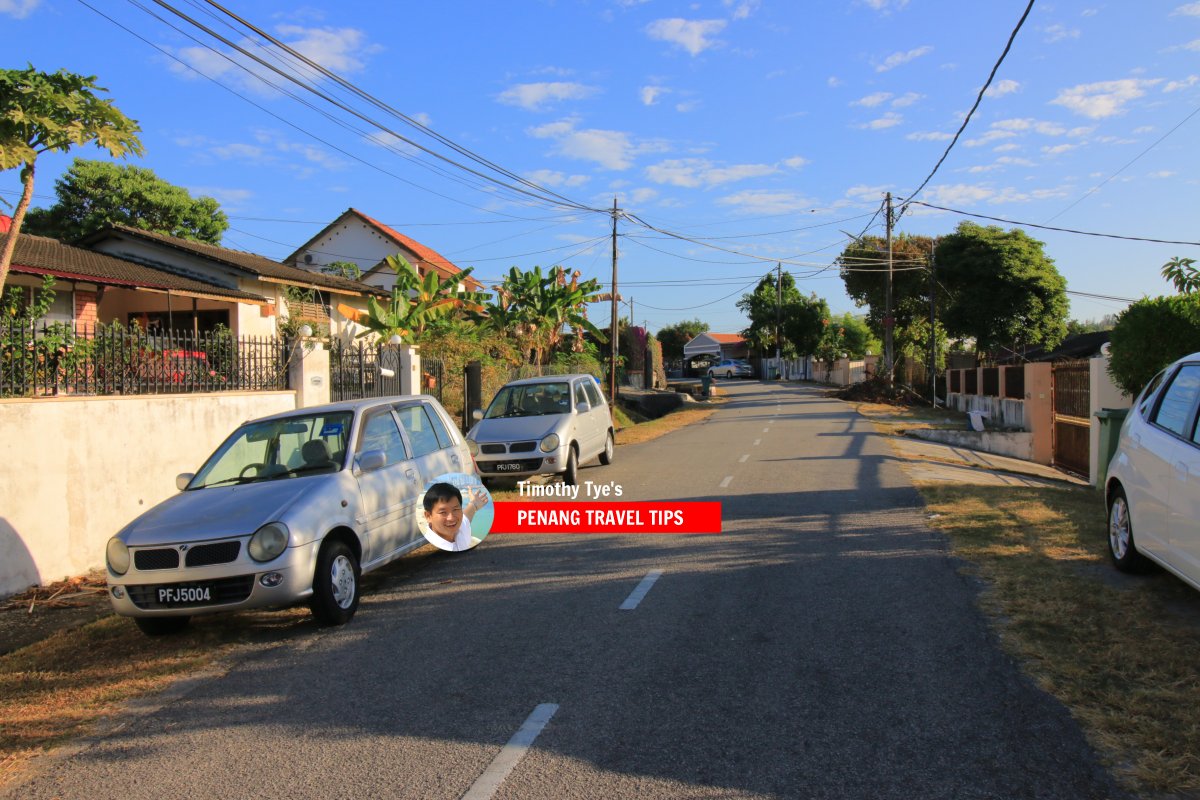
308,259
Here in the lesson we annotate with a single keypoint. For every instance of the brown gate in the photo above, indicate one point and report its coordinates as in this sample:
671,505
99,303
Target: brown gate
1072,425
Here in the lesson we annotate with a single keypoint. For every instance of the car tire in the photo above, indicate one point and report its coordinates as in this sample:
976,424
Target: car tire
728,374
161,626
1121,547
606,455
336,584
571,473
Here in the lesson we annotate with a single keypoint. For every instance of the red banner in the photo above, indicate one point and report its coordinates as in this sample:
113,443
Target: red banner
541,517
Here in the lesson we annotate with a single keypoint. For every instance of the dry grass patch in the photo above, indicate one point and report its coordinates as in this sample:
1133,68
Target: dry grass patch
912,417
1120,652
652,429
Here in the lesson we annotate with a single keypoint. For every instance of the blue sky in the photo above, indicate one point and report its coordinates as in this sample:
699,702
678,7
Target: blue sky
761,127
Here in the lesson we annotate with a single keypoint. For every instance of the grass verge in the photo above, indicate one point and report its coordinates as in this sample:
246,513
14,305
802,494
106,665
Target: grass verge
1119,651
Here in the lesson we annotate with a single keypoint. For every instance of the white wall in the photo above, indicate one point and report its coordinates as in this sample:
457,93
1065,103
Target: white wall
74,471
1103,394
355,241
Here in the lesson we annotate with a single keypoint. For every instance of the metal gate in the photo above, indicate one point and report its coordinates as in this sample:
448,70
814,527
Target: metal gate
1072,425
359,370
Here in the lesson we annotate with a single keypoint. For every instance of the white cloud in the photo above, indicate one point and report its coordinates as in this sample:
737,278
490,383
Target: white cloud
423,118
1162,173
239,150
834,81
889,120
650,94
796,162
1059,149
694,36
1186,83
537,96
742,8
907,99
929,136
993,135
691,173
1003,87
872,100
228,198
1190,10
958,194
1008,147
864,193
610,149
886,5
338,49
1193,45
762,201
1057,33
18,8
686,106
1144,129
642,196
898,58
554,178
1104,98
1089,12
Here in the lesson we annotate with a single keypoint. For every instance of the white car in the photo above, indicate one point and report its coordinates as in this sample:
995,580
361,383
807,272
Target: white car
290,508
731,368
1153,484
543,426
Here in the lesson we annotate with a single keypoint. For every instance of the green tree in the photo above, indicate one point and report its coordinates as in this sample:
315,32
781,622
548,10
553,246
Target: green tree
1105,323
92,194
537,307
1183,273
864,267
1149,335
764,308
53,112
674,337
1002,288
804,324
857,337
416,303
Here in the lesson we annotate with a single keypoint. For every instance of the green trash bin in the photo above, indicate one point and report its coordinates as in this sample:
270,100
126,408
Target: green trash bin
706,384
1110,432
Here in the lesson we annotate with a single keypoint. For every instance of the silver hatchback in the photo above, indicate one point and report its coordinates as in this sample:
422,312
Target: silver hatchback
290,508
543,426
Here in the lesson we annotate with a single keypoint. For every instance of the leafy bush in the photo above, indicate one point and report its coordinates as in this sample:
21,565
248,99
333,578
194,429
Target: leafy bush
1149,335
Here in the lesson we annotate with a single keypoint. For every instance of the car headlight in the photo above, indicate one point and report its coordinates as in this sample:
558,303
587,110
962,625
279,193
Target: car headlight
473,446
268,542
550,443
117,555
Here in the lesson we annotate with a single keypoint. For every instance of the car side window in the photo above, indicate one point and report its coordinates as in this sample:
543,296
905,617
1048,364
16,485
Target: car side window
439,427
593,394
1148,394
580,394
379,432
1176,409
419,429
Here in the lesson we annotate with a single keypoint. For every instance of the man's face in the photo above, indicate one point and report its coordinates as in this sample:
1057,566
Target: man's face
445,518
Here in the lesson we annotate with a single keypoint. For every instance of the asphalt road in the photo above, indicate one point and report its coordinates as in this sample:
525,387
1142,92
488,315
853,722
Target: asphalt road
824,646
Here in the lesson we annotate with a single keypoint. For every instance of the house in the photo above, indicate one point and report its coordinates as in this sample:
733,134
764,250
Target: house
714,347
282,291
1072,348
357,238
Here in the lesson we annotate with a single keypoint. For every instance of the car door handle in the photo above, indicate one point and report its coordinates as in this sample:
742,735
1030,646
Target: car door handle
410,474
1182,468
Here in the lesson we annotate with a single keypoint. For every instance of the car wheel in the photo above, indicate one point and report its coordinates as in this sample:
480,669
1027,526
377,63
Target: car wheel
571,475
335,584
606,456
1121,548
728,373
161,626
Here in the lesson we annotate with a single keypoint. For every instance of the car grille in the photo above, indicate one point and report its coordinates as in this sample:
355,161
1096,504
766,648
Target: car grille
522,447
492,449
224,592
163,558
523,465
202,555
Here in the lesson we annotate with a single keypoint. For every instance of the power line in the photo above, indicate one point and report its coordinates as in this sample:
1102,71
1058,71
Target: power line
702,305
978,100
1050,228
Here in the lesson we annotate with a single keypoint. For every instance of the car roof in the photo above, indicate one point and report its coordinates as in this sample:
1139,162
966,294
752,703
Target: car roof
348,405
547,379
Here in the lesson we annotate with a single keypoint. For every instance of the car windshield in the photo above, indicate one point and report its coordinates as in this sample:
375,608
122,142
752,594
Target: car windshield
279,448
531,400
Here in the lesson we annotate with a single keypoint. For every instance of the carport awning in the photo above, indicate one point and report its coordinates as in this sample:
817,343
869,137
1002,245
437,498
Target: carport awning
693,349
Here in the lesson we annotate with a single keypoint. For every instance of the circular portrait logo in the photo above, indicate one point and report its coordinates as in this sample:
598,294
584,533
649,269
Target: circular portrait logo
455,512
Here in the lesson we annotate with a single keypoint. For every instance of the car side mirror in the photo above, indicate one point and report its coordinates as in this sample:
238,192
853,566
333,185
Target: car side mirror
582,407
183,479
477,414
371,460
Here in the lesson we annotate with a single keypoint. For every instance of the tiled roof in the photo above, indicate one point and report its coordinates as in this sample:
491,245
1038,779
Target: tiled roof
238,259
39,255
726,338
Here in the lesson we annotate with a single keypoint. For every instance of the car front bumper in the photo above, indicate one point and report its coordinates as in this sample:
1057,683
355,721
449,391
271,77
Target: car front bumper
521,465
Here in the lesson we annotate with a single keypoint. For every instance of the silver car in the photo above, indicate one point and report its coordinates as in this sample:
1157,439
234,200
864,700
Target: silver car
539,426
290,508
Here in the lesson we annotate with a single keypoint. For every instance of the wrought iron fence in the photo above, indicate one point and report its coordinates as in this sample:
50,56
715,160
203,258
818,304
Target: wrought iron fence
433,377
46,360
358,370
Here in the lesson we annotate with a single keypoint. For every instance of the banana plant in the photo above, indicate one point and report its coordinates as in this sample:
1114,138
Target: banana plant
536,307
415,303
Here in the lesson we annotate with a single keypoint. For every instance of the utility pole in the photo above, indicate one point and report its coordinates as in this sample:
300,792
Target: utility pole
778,314
932,323
612,363
889,320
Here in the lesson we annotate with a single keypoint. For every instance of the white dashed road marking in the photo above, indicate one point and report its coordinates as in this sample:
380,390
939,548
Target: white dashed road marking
487,784
744,459
638,593
725,483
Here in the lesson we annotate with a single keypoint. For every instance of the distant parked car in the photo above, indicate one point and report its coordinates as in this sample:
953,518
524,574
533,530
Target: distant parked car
543,426
290,508
731,368
1153,483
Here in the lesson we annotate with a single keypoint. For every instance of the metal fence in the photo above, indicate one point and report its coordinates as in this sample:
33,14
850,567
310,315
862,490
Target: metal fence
49,360
358,370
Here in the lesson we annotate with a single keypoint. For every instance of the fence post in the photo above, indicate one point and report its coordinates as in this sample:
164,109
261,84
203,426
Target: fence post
410,369
1039,410
308,372
472,392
